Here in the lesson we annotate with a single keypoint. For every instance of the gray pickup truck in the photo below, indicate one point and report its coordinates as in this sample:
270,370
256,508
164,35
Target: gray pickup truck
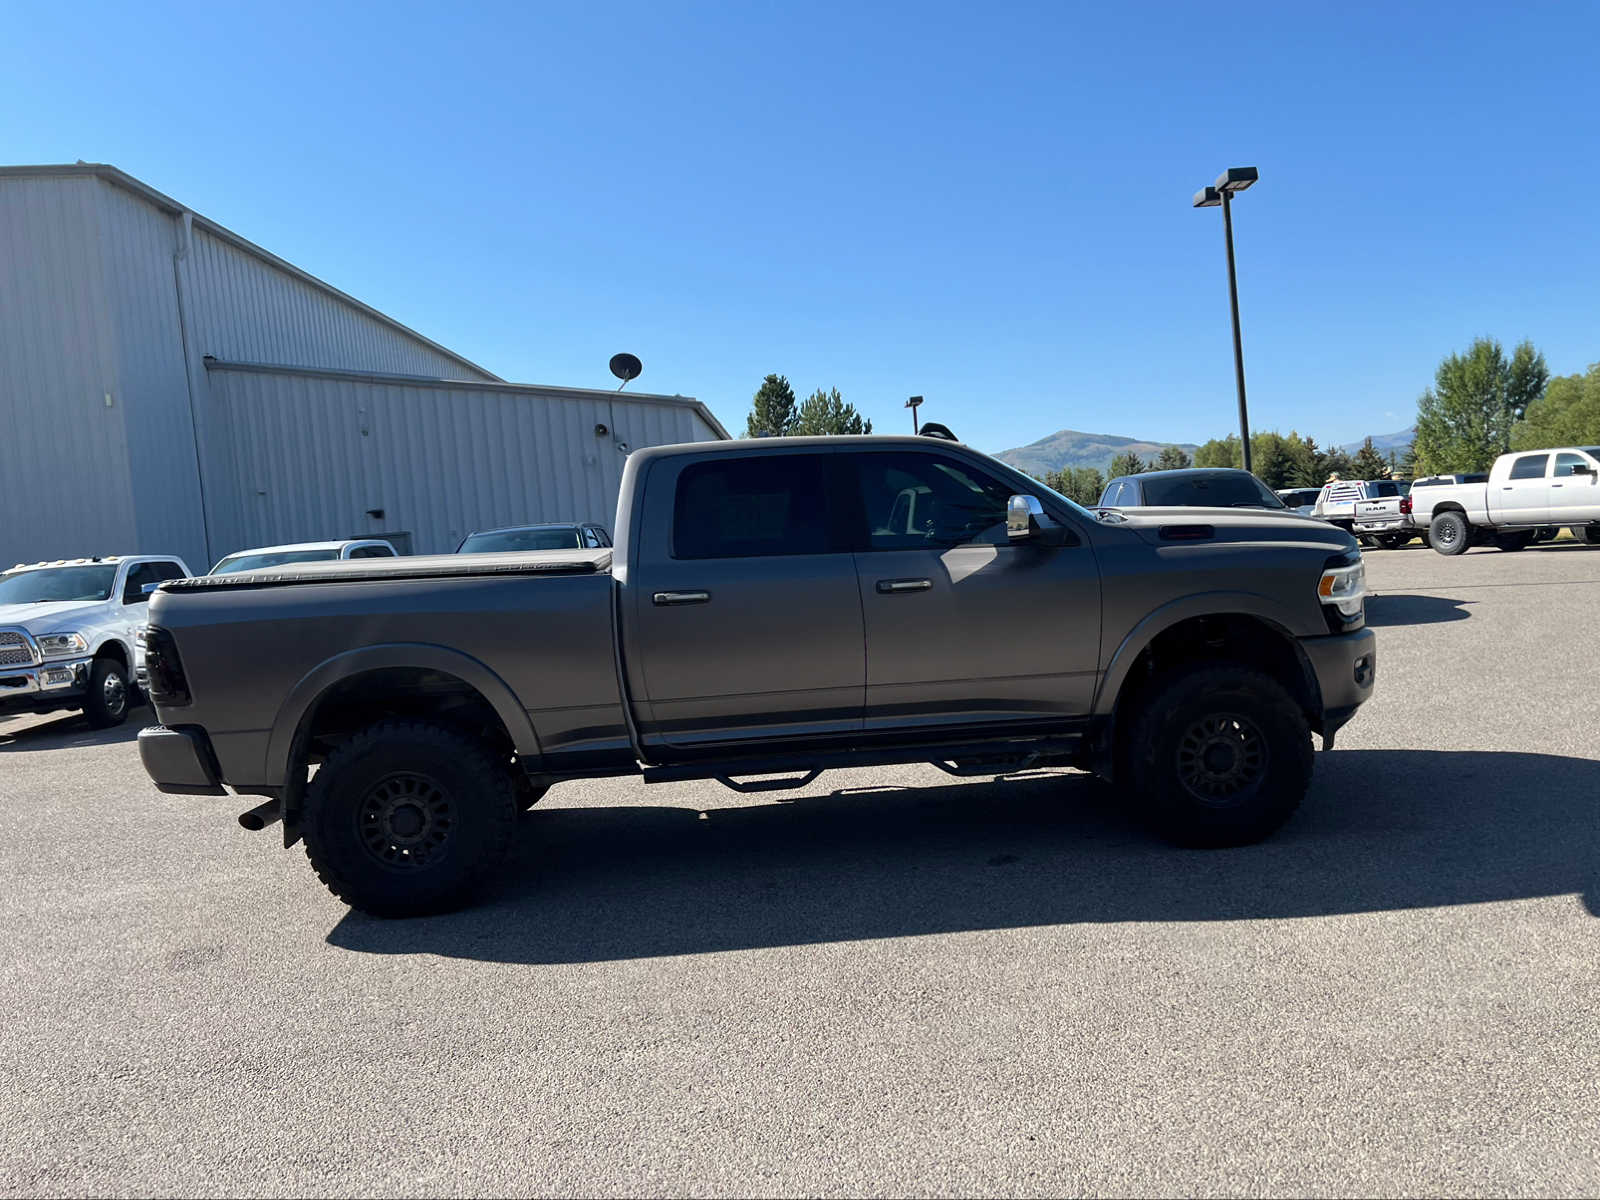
771,609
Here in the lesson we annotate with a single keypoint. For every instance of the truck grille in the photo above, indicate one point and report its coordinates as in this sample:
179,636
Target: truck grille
16,650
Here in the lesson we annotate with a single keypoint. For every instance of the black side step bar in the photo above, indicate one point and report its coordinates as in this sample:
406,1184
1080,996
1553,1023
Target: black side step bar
984,758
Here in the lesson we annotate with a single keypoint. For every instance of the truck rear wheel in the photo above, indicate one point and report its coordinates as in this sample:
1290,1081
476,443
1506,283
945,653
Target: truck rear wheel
1450,533
407,818
1589,534
1219,756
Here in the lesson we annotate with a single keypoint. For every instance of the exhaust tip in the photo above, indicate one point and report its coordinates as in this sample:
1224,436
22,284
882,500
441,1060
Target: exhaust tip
262,815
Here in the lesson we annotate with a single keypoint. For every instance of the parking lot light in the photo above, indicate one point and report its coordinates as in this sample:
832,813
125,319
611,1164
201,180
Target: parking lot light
1231,182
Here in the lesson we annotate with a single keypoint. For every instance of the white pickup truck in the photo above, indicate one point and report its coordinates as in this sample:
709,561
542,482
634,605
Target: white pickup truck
1368,508
67,633
1526,491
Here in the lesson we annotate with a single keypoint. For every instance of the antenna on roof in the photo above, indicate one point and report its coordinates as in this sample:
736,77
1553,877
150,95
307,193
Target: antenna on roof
627,368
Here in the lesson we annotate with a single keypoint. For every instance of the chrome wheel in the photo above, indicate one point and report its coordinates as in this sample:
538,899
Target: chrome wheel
114,694
1220,757
406,821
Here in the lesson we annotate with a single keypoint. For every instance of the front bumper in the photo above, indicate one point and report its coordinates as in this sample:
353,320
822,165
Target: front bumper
180,761
52,684
1346,667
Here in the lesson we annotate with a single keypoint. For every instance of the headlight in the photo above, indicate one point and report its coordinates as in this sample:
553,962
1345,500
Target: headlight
61,645
1344,587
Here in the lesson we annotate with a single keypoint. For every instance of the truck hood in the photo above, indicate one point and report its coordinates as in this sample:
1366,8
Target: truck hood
48,616
1189,525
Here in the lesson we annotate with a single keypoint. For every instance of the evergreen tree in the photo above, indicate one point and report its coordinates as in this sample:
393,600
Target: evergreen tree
772,410
1368,463
1126,463
827,413
1171,458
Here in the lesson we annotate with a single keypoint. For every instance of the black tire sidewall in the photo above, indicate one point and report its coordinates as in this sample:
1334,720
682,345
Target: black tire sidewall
1459,523
1204,691
483,815
94,707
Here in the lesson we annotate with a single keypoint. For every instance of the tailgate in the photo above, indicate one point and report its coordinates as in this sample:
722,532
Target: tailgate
1378,512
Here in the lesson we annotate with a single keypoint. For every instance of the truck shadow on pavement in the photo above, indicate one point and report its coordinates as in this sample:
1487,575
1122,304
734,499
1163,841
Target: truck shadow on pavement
1412,609
71,731
1382,830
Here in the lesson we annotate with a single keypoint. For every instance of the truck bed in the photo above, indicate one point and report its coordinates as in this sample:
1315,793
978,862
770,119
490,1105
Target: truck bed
431,566
532,631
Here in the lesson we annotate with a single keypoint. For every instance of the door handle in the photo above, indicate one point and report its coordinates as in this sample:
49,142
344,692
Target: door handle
892,586
666,599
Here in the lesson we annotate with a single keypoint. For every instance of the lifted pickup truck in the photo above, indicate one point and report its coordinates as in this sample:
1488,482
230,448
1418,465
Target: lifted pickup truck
1526,492
771,608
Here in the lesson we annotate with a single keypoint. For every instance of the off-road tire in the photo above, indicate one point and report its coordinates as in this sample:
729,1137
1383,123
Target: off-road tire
1237,711
407,819
1450,533
1519,540
1588,534
110,694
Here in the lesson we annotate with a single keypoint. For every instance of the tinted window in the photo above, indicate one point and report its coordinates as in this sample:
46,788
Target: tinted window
751,508
372,552
58,583
1224,489
916,501
145,574
548,537
590,540
1529,466
605,538
1385,488
1565,463
253,562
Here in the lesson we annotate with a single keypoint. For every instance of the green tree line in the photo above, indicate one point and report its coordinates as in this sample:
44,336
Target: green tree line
775,413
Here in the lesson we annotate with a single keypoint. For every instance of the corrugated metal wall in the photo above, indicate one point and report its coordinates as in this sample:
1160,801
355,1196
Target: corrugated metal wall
66,489
137,243
313,452
246,310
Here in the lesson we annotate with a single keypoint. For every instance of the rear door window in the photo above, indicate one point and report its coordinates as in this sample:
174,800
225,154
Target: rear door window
1529,466
755,507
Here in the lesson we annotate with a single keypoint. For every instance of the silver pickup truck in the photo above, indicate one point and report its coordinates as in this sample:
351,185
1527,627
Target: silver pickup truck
771,609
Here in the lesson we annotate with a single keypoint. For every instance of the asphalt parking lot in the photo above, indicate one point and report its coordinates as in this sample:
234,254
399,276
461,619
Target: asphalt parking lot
898,983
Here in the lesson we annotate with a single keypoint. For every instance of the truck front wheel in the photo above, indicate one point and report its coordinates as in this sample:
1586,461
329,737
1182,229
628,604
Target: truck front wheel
1450,533
407,818
1219,756
106,703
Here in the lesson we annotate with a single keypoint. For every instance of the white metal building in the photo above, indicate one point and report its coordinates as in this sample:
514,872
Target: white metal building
168,387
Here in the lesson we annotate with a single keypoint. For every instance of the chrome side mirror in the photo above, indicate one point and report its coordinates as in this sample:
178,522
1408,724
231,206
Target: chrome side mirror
1021,512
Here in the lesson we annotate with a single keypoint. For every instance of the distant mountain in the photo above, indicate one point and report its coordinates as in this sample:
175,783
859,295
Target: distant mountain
1069,448
1385,442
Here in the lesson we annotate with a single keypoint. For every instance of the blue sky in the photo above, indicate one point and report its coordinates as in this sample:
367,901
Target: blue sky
986,204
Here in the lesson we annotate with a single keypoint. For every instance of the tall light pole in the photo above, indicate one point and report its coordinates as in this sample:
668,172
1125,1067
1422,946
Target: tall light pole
913,404
1231,182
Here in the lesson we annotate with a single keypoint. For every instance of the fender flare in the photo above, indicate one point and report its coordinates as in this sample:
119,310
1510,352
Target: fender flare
303,697
1205,604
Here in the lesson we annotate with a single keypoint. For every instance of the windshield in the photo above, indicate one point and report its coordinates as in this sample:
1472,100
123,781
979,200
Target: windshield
562,537
251,561
57,583
1231,489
